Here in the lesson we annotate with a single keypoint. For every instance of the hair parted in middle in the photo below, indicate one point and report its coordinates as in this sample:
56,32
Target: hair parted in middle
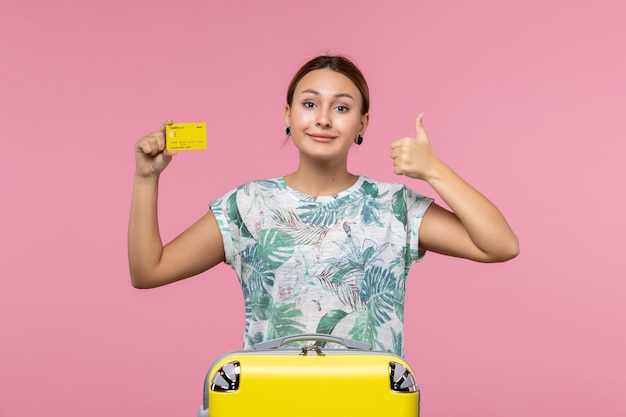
339,64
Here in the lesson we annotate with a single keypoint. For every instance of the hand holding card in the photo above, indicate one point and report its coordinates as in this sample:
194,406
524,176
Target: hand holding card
185,136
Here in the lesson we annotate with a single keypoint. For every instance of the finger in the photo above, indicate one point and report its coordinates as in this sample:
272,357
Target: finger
396,153
419,125
152,144
167,122
144,147
396,143
406,142
160,139
163,145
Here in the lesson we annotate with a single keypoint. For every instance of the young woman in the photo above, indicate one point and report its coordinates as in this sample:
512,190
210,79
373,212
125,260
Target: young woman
320,249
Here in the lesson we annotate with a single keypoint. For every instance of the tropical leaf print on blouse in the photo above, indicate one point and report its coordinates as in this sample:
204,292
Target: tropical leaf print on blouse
327,213
329,321
261,259
259,305
379,296
268,185
275,247
303,233
357,256
343,276
234,216
284,321
328,264
371,204
398,205
346,290
397,341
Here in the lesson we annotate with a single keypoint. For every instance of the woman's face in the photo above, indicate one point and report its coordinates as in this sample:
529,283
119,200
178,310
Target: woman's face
325,114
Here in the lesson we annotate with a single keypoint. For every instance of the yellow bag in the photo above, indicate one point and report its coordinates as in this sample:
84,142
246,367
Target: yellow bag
277,381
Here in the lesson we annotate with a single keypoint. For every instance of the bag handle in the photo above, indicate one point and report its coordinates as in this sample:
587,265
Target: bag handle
318,337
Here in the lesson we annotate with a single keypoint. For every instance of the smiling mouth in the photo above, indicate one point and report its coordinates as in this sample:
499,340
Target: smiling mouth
321,137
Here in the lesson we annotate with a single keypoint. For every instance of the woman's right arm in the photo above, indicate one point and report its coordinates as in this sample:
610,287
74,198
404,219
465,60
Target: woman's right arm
194,251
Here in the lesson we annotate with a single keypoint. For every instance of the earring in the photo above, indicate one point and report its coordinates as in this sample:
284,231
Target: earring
359,140
288,131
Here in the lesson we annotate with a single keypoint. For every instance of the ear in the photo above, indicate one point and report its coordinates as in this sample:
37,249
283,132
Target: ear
287,116
365,119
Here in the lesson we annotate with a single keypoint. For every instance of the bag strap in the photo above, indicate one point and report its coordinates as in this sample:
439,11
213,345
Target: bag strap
318,337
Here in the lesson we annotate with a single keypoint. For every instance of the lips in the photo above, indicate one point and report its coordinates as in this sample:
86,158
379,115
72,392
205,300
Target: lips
321,137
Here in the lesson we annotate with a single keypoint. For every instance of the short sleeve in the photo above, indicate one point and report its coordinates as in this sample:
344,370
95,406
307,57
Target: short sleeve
417,205
221,212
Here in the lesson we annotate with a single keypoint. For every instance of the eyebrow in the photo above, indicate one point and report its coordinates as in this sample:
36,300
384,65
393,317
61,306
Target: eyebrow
336,95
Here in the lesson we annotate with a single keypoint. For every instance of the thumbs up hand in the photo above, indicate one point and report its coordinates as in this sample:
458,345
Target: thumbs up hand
414,157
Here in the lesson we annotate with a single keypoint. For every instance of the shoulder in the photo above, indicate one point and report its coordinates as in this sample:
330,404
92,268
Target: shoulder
397,194
391,188
255,187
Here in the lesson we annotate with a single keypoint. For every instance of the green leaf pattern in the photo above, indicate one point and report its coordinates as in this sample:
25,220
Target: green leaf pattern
331,264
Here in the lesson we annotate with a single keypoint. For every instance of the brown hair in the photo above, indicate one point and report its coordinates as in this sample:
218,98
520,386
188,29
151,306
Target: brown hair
338,64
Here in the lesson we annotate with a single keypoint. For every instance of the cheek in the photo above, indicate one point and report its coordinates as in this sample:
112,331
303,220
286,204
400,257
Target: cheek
348,124
300,118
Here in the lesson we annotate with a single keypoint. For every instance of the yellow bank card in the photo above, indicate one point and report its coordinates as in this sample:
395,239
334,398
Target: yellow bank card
185,136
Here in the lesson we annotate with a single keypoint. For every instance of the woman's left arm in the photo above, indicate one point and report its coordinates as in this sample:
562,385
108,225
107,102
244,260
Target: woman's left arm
474,228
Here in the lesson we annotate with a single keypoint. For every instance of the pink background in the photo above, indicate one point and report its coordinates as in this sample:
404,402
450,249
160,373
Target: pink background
525,99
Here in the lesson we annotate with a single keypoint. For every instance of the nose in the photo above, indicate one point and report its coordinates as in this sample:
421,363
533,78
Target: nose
323,118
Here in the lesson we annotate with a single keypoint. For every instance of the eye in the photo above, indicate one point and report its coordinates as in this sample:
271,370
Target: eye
342,109
308,104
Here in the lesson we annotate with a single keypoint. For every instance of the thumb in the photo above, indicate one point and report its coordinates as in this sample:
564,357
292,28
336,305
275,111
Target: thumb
170,154
419,126
167,122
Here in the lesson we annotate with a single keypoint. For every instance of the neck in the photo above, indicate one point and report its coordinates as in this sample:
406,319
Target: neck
320,178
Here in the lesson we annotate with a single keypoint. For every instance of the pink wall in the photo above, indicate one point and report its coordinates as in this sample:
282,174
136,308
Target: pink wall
524,98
